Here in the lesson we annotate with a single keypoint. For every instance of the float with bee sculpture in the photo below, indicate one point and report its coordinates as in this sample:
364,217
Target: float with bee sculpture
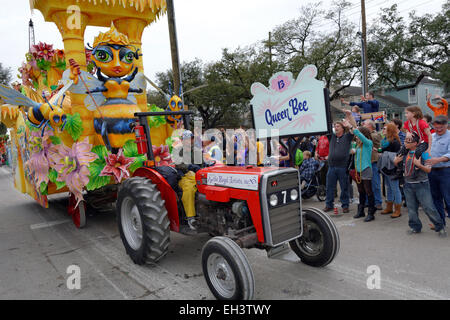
72,117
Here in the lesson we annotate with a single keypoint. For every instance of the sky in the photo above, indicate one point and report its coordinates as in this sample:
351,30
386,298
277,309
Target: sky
204,27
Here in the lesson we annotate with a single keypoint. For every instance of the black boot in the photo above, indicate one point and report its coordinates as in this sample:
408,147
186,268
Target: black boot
371,214
360,212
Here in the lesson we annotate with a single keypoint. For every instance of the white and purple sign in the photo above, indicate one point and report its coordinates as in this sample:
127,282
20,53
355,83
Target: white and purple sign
232,180
293,106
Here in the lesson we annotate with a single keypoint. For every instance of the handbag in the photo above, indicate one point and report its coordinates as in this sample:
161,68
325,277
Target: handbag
355,176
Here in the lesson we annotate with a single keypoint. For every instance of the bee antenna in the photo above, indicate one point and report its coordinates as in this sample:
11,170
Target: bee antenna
62,100
170,89
46,100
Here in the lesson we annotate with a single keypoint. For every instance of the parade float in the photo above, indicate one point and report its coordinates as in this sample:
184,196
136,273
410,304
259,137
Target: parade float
56,146
80,124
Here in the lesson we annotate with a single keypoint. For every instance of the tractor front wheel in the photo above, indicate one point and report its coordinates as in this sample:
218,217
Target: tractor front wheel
319,243
143,221
227,270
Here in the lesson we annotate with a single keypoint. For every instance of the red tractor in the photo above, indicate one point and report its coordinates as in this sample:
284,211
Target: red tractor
249,207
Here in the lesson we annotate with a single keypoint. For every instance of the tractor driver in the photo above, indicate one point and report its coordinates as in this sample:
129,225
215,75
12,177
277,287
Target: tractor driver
187,182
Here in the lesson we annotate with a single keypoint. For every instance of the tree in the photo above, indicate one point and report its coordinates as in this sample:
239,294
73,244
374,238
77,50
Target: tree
301,41
399,51
5,75
5,78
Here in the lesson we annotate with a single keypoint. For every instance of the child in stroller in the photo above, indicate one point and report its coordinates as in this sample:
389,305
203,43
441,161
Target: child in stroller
310,177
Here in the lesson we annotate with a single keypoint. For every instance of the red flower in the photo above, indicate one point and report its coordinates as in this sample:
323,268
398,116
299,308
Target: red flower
43,51
117,166
162,155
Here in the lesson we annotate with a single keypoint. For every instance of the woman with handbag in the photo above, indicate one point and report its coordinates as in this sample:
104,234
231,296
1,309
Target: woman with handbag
363,168
391,143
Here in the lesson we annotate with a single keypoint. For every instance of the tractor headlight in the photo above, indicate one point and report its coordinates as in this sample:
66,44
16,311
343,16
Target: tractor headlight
294,194
273,200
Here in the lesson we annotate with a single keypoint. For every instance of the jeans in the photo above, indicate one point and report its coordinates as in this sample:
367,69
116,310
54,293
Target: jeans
334,175
393,193
376,184
440,189
419,193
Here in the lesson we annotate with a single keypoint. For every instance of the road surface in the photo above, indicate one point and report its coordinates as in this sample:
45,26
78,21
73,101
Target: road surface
40,247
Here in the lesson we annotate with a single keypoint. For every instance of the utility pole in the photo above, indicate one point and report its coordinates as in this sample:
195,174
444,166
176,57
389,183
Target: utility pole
174,48
364,48
270,51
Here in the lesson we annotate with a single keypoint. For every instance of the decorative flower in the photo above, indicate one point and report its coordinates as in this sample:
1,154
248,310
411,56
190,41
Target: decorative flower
88,53
38,164
117,166
162,155
42,51
25,74
59,54
72,165
280,83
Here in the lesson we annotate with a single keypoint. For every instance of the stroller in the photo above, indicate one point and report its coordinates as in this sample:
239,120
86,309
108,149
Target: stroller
313,186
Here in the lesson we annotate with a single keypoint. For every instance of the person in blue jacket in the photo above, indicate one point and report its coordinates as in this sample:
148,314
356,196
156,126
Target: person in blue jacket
368,103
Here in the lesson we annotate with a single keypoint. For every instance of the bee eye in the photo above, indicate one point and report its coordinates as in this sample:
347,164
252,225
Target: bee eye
63,117
102,56
56,118
173,104
180,104
128,58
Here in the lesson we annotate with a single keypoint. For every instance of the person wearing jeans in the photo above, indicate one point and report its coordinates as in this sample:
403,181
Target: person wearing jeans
440,162
417,188
338,157
390,145
376,180
334,175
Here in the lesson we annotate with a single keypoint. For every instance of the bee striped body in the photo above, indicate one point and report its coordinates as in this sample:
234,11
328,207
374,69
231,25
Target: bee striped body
118,114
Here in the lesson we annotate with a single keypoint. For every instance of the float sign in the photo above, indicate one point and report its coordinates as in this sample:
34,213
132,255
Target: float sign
292,106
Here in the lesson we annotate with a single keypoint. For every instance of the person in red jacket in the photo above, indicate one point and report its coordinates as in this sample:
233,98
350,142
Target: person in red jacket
441,108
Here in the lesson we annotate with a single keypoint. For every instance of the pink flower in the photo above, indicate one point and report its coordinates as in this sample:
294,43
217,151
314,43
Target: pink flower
72,165
38,164
280,83
42,51
162,155
117,166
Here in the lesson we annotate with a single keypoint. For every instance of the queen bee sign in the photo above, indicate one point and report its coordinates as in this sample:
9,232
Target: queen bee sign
291,106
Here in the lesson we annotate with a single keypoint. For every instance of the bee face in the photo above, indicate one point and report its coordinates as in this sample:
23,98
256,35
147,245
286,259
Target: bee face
57,117
114,60
175,104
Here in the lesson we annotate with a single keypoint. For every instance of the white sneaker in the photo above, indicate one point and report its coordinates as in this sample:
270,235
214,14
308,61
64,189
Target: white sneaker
192,222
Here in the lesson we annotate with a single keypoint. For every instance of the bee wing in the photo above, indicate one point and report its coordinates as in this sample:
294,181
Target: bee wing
14,97
139,82
85,80
94,100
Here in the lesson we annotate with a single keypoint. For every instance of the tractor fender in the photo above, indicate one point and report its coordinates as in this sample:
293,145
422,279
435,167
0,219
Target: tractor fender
167,194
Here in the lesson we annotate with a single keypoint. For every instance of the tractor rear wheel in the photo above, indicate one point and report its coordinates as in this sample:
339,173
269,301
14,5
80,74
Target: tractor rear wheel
143,220
227,270
319,244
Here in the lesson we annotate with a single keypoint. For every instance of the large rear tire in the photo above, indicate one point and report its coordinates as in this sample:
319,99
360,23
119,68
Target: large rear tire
227,270
319,244
143,221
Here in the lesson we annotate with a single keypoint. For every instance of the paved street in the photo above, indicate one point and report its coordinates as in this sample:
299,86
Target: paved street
38,245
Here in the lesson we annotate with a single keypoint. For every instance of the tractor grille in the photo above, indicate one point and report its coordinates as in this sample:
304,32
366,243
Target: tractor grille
282,222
